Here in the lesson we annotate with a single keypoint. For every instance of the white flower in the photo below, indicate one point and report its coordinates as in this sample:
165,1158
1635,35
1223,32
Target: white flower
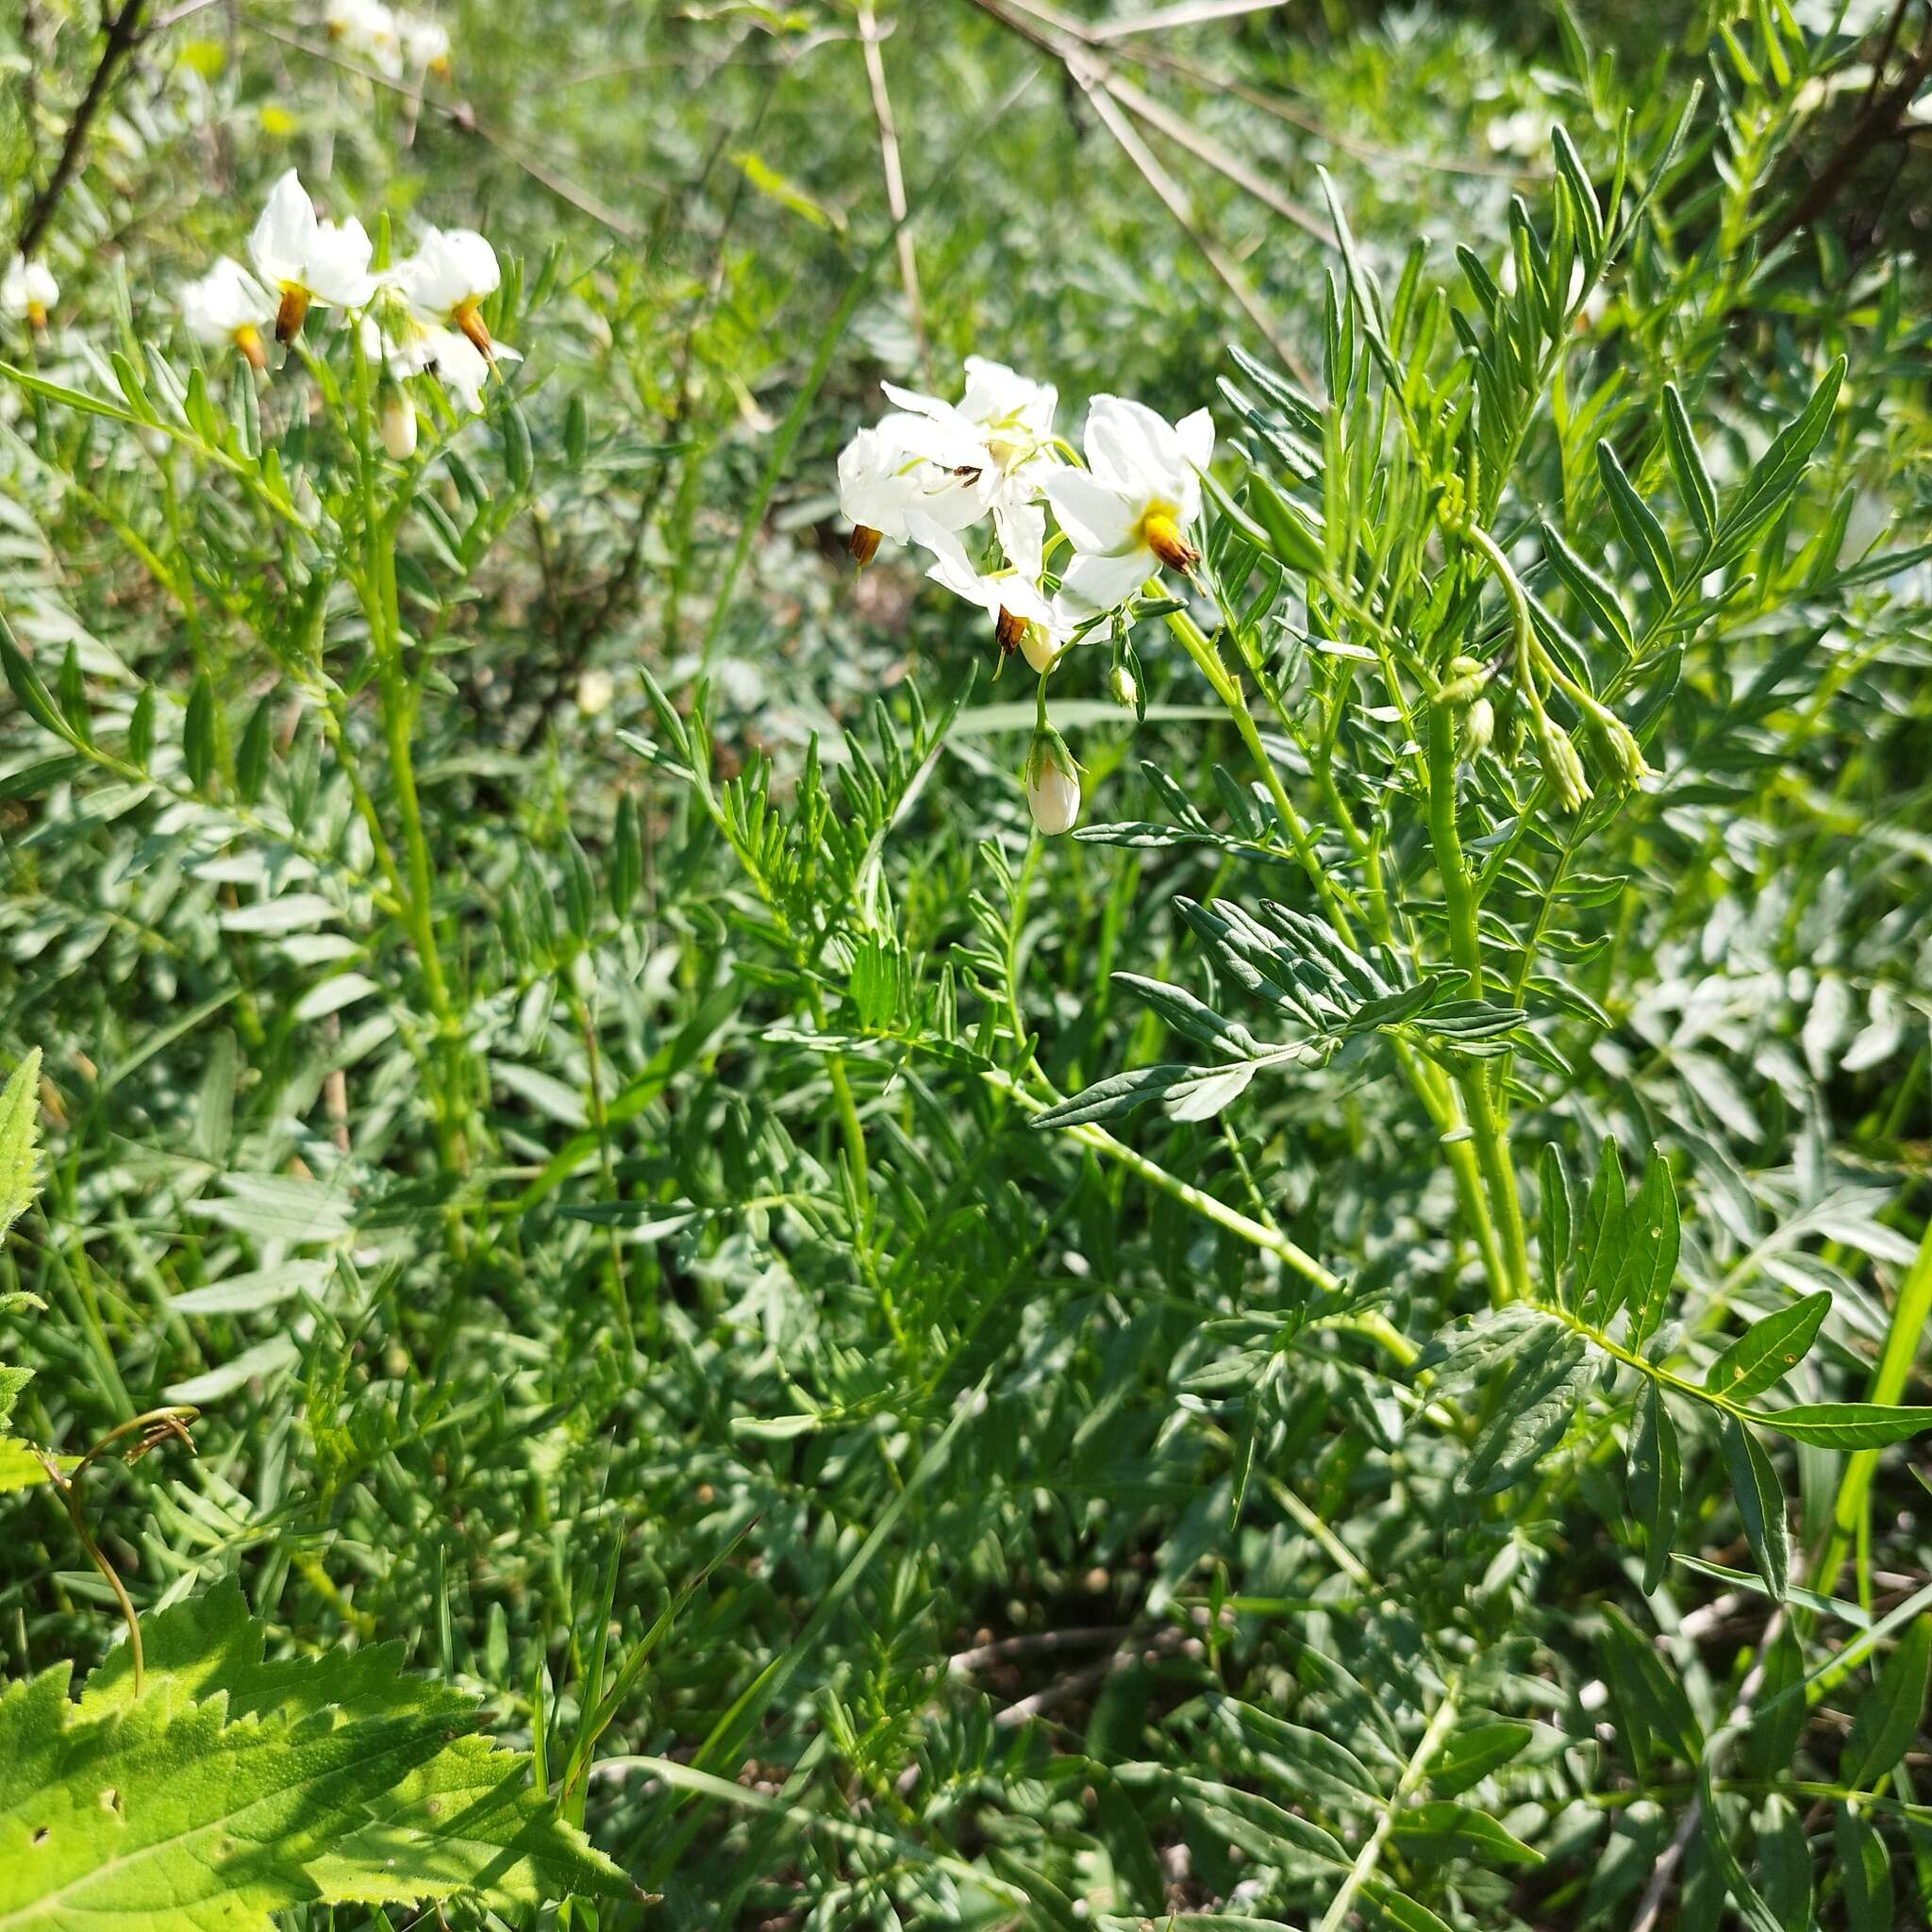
425,45
369,30
304,260
1053,791
394,336
1126,513
446,280
596,689
906,463
27,291
1022,619
228,308
1009,418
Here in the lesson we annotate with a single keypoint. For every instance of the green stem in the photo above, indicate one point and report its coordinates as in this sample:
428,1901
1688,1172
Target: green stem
1492,1147
1849,1517
1370,1853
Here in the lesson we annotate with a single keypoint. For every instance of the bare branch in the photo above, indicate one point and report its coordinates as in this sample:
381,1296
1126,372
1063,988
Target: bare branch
122,32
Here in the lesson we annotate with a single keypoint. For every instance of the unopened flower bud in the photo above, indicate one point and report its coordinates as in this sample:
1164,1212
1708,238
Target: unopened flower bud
396,418
1624,749
1478,728
863,544
1121,684
1163,537
1053,790
1466,677
1039,649
1561,766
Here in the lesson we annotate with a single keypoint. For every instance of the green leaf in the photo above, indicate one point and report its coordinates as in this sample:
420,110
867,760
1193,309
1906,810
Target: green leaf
1864,1872
1693,480
1117,1095
1441,1829
1887,1716
1471,1756
1650,1692
1537,1402
1766,1350
1760,1503
1777,1708
20,1111
229,1789
1553,1219
1845,1425
1600,1234
1775,474
1652,1237
1656,1481
1598,600
1304,1762
1638,524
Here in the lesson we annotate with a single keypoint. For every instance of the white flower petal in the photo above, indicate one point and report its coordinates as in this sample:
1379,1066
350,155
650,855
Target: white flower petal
1195,435
1100,583
337,270
1021,528
278,245
1098,516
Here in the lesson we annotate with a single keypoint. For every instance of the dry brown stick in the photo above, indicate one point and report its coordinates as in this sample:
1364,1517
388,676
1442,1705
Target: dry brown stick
1879,121
1095,77
1168,190
122,32
1182,133
896,177
462,116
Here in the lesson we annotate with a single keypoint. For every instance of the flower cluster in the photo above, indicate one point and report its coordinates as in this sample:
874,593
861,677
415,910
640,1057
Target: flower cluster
392,43
422,314
930,471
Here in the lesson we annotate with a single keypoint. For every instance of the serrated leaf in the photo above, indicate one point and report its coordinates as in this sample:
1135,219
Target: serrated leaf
20,1112
1768,1349
229,1789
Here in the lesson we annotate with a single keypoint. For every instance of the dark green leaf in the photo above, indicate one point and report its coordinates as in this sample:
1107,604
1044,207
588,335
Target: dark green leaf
1768,1349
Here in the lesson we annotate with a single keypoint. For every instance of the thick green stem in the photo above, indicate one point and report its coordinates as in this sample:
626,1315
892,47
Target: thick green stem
1458,896
1849,1519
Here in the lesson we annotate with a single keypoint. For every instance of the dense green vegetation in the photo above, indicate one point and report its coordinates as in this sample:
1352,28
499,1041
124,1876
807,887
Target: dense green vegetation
1263,1261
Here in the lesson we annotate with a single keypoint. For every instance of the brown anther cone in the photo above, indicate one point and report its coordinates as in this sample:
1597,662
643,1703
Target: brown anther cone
290,316
1166,541
470,322
863,544
1009,630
